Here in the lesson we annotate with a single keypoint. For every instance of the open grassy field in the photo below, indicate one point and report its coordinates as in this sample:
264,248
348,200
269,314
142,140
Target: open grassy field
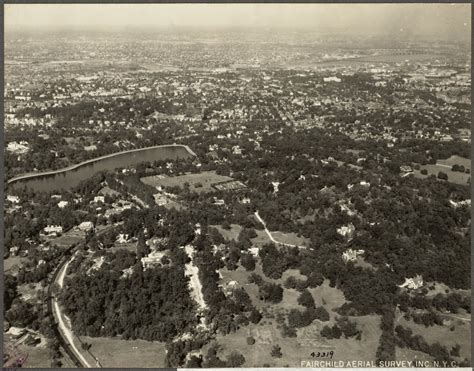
328,297
453,176
233,233
442,334
240,275
406,354
267,333
38,357
199,182
115,352
298,349
453,160
262,238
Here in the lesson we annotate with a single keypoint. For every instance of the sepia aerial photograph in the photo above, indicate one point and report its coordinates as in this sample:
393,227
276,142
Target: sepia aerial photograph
237,185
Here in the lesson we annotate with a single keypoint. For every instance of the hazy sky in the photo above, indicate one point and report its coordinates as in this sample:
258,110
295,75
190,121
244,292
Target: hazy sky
452,20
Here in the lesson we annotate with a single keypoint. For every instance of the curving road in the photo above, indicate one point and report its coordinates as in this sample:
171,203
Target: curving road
63,327
63,332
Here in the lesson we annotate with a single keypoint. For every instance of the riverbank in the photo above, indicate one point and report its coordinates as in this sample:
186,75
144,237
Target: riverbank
87,162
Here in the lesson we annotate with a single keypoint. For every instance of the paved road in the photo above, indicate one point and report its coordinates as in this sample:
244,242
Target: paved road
64,334
270,235
63,327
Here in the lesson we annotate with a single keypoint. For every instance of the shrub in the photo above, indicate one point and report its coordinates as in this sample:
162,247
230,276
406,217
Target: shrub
306,299
235,359
442,176
276,352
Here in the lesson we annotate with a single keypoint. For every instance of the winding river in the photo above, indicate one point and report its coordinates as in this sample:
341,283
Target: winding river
71,176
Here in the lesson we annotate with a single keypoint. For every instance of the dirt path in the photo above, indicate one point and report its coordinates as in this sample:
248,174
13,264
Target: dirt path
193,273
270,235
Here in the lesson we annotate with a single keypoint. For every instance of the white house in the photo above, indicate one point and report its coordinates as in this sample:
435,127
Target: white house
122,238
332,79
351,255
13,199
346,230
275,186
85,226
53,230
62,204
413,283
99,199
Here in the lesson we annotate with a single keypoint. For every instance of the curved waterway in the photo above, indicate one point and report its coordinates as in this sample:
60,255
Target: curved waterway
71,176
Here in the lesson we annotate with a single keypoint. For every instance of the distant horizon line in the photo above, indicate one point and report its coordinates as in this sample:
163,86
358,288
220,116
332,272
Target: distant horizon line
28,28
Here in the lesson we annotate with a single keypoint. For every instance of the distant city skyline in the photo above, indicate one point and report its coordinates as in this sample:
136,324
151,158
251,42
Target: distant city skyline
449,21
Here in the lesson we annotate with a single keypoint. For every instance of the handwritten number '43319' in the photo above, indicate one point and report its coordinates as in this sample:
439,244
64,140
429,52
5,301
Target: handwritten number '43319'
322,354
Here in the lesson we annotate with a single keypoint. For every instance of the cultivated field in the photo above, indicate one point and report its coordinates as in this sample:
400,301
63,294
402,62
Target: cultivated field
199,182
115,352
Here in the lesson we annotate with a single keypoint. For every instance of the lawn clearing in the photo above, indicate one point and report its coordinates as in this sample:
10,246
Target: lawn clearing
232,234
13,261
456,160
290,238
198,182
240,275
261,239
68,238
298,349
229,234
455,177
38,356
267,333
116,352
344,349
410,355
328,297
129,246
